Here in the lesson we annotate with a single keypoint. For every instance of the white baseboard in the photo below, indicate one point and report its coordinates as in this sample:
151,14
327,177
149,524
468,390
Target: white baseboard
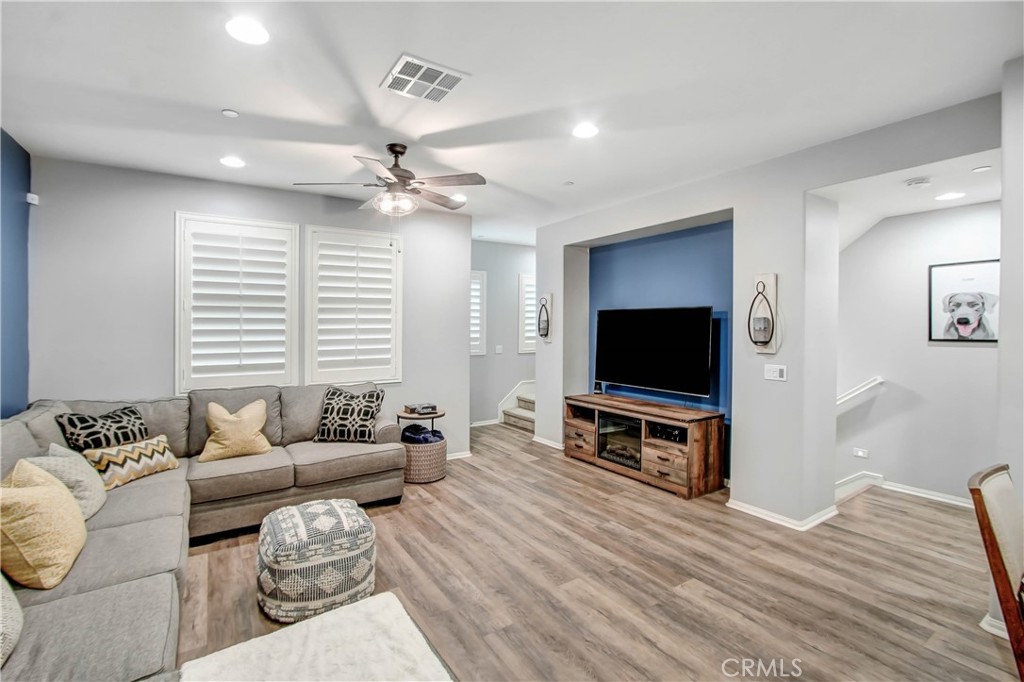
929,494
459,455
857,482
549,443
994,627
851,485
486,422
806,524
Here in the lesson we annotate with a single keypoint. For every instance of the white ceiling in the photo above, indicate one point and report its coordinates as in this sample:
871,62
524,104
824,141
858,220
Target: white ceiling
864,202
679,90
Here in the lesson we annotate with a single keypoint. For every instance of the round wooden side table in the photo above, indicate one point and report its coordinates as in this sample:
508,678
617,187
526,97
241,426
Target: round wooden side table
425,462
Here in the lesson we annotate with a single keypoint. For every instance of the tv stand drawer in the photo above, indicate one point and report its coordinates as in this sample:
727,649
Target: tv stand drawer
664,458
665,473
579,442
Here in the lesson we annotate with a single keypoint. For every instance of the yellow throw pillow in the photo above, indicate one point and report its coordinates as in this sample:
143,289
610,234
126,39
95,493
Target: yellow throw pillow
124,463
235,435
41,527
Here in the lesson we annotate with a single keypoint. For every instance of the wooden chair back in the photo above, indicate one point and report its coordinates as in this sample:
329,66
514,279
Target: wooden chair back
1002,530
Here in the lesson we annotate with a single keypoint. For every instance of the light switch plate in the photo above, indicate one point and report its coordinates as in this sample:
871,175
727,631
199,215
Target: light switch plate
775,372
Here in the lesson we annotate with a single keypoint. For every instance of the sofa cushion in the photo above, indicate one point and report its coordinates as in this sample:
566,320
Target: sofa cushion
301,407
11,620
16,442
235,435
136,502
40,420
122,464
322,462
116,555
71,469
349,417
238,476
163,416
117,427
232,399
123,632
42,529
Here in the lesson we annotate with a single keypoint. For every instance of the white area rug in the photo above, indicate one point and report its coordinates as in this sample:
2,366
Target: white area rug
373,639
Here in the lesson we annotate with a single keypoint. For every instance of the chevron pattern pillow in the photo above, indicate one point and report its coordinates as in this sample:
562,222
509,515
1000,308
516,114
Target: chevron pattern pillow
118,427
125,463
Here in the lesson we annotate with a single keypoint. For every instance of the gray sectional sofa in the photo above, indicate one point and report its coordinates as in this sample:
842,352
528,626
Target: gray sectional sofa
115,615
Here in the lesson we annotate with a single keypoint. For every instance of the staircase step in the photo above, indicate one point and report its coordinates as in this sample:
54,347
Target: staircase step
527,401
519,418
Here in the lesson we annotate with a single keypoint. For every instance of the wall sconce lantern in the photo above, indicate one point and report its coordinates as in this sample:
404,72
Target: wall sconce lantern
762,324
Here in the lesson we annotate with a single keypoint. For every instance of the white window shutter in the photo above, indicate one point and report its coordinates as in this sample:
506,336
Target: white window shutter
353,301
477,312
236,312
527,314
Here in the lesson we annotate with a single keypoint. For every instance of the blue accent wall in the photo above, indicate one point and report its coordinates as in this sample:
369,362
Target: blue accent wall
15,182
691,267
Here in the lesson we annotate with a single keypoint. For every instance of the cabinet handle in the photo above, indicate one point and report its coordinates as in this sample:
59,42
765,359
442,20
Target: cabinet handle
578,434
578,446
662,473
664,459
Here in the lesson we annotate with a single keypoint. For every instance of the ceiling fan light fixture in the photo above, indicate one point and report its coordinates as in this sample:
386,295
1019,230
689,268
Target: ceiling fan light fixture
247,30
585,130
395,203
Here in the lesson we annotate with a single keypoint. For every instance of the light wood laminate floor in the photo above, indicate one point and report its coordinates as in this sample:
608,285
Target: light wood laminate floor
525,565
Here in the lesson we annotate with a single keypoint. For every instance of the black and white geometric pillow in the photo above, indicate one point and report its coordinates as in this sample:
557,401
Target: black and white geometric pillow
349,417
109,430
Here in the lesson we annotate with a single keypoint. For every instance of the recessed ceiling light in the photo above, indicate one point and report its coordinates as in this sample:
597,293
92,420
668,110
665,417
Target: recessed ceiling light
459,197
918,183
247,30
568,183
981,169
232,162
949,196
229,113
585,129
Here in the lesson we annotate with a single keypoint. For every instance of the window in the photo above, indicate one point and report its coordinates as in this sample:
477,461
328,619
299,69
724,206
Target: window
236,302
477,313
353,304
527,314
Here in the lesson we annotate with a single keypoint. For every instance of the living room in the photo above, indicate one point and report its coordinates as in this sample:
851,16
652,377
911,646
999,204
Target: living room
688,186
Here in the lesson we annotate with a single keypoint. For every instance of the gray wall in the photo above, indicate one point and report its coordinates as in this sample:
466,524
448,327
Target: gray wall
774,430
101,273
492,376
933,422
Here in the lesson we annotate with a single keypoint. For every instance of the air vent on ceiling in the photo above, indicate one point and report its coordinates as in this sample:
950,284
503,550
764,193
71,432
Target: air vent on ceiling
414,77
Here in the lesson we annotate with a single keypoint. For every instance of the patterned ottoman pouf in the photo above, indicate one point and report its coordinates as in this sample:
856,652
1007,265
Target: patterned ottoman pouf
314,557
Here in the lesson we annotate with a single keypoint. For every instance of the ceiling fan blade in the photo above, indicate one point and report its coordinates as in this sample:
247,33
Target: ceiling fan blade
459,180
368,204
377,168
439,199
333,183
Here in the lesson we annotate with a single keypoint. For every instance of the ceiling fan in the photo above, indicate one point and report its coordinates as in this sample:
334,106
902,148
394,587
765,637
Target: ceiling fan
402,187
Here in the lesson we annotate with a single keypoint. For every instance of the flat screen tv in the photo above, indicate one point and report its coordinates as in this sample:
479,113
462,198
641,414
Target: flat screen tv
666,349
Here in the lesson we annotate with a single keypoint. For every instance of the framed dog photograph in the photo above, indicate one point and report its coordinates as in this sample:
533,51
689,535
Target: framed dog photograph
963,302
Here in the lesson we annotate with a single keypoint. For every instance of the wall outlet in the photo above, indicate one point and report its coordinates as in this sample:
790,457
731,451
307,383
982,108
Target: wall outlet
775,373
860,452
498,350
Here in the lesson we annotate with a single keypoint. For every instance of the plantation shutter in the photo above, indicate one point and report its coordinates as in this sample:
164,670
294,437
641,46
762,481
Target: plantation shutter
354,301
527,314
477,312
236,312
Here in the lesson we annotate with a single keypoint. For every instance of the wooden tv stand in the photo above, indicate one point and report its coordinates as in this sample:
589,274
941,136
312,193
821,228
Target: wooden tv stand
687,462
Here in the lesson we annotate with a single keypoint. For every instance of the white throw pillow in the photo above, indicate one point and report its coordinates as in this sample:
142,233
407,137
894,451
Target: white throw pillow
75,471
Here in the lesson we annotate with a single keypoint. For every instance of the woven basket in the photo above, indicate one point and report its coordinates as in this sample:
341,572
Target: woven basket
426,462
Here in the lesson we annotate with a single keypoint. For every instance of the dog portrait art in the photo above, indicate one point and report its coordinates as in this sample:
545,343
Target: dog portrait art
964,301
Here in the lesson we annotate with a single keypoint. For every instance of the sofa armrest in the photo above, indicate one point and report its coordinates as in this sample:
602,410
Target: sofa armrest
387,432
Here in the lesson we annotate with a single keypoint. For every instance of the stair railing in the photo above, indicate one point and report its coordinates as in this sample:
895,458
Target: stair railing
858,389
